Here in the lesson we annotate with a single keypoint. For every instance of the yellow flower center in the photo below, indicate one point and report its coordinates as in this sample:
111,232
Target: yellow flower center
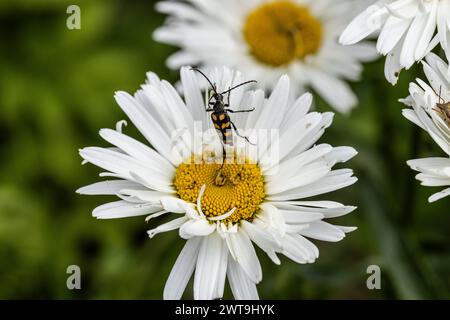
282,31
235,185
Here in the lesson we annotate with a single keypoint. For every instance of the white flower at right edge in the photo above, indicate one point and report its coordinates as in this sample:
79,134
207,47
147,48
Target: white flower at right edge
407,31
434,172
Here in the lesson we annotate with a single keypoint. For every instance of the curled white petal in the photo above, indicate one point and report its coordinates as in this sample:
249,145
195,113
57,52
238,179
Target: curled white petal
199,200
120,124
223,216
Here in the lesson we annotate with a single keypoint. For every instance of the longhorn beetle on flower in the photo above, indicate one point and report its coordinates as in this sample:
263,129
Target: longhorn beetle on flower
220,118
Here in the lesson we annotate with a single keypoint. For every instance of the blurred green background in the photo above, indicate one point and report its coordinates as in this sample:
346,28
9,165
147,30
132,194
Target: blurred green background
56,92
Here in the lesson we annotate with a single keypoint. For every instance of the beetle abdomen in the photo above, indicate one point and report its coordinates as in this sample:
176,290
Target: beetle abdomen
222,124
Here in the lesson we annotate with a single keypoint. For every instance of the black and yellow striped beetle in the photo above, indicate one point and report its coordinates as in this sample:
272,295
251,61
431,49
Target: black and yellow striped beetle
220,118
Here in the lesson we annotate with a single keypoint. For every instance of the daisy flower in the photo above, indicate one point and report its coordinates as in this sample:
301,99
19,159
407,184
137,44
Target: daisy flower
431,111
266,39
224,210
407,31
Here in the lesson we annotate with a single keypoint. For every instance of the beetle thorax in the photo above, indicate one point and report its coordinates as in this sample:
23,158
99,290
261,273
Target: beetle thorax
219,106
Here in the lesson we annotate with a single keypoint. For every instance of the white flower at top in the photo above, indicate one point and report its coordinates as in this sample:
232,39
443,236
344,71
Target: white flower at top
223,212
431,111
407,31
266,39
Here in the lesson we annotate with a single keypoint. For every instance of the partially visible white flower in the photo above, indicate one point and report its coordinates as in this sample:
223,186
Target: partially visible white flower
427,114
223,212
266,39
407,31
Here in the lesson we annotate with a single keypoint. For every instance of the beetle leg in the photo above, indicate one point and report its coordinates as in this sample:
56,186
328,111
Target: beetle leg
240,111
238,134
224,156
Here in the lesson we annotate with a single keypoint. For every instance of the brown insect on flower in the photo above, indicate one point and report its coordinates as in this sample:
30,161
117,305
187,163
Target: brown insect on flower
443,107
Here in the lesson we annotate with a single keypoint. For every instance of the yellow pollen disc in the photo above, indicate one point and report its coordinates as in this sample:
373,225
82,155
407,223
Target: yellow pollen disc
282,31
239,186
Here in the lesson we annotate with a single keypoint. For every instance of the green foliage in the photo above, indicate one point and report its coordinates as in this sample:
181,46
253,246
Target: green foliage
56,92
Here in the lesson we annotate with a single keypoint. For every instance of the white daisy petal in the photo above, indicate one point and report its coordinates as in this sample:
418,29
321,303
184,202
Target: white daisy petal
209,274
108,187
271,219
324,231
298,110
123,165
293,165
335,91
294,217
169,226
308,175
196,228
346,229
313,135
244,254
299,133
156,215
439,195
341,154
136,149
427,32
147,125
241,286
272,114
334,180
182,270
299,249
146,195
192,94
364,24
328,209
263,239
391,34
123,209
173,204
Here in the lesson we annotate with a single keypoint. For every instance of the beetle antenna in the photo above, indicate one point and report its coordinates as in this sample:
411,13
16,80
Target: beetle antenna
239,85
440,97
207,79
